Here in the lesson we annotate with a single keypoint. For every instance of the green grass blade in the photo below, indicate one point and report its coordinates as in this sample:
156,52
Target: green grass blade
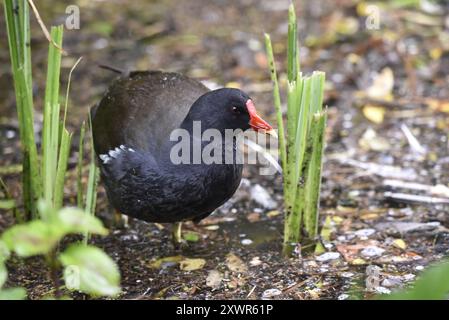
313,183
91,194
292,49
68,90
301,132
79,168
64,151
277,102
17,24
51,130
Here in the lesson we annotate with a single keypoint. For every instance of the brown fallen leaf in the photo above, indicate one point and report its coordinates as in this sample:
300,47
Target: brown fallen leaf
214,279
374,113
157,264
253,217
234,263
437,105
273,213
351,252
382,85
191,264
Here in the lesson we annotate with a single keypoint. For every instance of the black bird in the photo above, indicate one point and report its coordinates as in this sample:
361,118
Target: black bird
131,127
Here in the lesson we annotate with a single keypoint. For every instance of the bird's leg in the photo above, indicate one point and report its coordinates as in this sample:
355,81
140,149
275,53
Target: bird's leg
177,239
120,221
177,232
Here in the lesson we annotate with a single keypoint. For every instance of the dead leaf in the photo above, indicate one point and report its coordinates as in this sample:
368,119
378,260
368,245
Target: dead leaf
234,263
371,141
192,264
157,264
253,217
358,262
255,262
273,213
369,216
214,279
438,105
399,243
374,113
351,252
382,85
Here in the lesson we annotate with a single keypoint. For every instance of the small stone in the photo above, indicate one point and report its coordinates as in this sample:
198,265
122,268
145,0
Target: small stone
328,256
246,242
408,277
372,251
347,274
130,237
255,262
364,232
214,279
324,269
383,290
419,268
271,293
343,296
392,282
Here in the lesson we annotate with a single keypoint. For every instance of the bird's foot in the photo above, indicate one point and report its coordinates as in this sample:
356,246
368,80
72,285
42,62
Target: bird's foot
120,221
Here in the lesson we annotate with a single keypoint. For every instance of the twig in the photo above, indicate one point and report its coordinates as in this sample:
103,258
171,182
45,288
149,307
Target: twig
413,142
437,190
412,198
385,171
44,28
297,285
251,292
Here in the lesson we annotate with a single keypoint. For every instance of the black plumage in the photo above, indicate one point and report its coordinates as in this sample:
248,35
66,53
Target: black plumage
131,130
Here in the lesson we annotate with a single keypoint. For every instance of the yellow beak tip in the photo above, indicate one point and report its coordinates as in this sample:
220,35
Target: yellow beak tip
272,133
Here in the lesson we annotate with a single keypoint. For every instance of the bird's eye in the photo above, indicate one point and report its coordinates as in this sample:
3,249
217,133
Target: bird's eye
235,110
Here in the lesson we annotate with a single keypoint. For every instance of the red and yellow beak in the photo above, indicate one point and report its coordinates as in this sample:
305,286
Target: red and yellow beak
256,122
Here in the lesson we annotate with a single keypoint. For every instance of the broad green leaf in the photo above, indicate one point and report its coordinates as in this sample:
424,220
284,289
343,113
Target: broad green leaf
192,264
433,284
46,210
7,204
74,220
191,236
4,252
33,238
18,293
90,270
3,274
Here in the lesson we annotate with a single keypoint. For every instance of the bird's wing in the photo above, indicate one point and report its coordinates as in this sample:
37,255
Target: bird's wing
140,111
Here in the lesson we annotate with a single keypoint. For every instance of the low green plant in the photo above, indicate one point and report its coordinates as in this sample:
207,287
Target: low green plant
433,284
301,145
18,29
44,174
86,268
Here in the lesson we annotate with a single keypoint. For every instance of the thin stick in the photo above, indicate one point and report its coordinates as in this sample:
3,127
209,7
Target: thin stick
44,28
68,88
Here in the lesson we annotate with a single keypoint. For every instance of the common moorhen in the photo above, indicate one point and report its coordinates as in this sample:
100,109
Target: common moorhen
131,130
